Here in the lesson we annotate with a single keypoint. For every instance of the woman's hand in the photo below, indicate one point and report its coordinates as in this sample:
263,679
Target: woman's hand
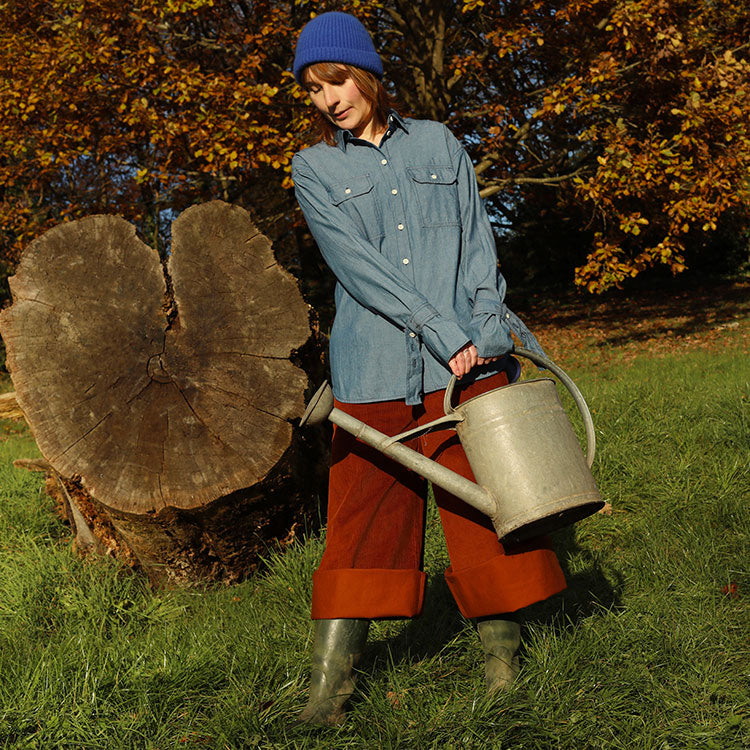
462,362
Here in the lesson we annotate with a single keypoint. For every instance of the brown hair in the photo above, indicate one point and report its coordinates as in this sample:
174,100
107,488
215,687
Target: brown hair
370,87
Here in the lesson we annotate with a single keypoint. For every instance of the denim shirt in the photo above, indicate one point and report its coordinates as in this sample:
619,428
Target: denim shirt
403,229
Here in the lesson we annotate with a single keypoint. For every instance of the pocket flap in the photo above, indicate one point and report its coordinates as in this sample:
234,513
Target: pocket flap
433,174
342,191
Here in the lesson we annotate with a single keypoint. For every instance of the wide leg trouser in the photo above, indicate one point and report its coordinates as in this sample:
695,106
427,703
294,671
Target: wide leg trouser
372,563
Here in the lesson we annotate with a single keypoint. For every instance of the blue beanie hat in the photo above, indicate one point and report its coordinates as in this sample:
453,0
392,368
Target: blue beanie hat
336,37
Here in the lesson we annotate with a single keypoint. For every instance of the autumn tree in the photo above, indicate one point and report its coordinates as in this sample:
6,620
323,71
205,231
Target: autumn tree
139,108
631,117
626,118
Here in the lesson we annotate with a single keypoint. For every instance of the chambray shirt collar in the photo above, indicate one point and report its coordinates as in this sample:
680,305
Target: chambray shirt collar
394,118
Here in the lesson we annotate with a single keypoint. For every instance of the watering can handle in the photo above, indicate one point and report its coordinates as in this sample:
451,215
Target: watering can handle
564,378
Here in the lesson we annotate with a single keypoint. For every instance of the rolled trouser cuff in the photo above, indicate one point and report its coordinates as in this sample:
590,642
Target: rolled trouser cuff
502,584
367,593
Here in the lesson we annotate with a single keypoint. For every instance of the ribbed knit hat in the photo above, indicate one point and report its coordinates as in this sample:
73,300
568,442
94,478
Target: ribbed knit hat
336,37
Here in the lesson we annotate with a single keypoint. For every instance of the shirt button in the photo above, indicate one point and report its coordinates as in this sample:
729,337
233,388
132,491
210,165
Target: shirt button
384,161
348,190
412,335
400,226
434,176
394,191
405,261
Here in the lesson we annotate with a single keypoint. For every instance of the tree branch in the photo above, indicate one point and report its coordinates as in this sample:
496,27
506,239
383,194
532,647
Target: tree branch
486,163
499,185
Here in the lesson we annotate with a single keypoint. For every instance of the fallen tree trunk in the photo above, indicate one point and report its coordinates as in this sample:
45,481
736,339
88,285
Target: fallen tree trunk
167,394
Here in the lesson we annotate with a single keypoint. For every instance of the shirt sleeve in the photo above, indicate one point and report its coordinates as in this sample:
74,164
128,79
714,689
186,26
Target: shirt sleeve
365,274
480,275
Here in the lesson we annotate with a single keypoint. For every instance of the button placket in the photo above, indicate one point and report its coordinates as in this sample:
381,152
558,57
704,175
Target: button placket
414,369
401,226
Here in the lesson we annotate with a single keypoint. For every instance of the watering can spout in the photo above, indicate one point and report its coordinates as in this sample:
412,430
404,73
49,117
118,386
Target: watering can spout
531,475
321,407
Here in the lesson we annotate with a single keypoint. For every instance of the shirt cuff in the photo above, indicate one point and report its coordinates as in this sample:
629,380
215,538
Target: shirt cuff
491,324
441,335
489,330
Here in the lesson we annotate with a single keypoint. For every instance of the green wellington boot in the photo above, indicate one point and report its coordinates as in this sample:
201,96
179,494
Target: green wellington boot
336,650
500,639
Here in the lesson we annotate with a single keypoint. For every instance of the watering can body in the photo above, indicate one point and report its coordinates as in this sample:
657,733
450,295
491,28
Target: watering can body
522,448
532,476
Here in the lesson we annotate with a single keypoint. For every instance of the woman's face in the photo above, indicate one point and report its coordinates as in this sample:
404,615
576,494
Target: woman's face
342,103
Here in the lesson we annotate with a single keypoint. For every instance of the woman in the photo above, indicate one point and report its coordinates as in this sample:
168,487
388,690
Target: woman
394,208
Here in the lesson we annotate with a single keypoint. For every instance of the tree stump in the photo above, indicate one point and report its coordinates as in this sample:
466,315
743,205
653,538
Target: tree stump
167,392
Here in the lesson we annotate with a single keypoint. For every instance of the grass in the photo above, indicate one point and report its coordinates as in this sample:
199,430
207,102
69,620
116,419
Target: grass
643,650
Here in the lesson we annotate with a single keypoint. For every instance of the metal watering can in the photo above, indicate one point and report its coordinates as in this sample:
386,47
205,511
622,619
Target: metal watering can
531,474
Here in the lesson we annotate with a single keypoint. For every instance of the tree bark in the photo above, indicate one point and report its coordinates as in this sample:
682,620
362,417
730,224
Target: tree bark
166,394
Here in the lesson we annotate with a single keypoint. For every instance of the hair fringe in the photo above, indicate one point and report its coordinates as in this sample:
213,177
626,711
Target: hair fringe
372,90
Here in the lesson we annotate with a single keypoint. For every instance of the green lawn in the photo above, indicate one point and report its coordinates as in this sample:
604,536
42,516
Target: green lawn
646,649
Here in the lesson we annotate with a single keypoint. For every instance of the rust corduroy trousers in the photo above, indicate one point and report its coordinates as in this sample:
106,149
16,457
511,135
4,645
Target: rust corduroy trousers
372,563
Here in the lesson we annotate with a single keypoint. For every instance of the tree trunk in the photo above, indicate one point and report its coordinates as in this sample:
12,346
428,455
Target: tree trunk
166,394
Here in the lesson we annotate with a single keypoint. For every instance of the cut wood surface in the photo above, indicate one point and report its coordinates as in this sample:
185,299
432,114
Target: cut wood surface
9,408
157,390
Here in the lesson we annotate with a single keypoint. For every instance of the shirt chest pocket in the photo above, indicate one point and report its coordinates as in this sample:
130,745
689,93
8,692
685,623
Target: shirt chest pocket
437,194
356,198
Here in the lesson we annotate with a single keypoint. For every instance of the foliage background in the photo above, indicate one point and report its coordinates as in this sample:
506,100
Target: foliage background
610,137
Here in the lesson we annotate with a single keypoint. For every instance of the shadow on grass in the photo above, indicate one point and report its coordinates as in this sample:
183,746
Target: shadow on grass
589,592
640,315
